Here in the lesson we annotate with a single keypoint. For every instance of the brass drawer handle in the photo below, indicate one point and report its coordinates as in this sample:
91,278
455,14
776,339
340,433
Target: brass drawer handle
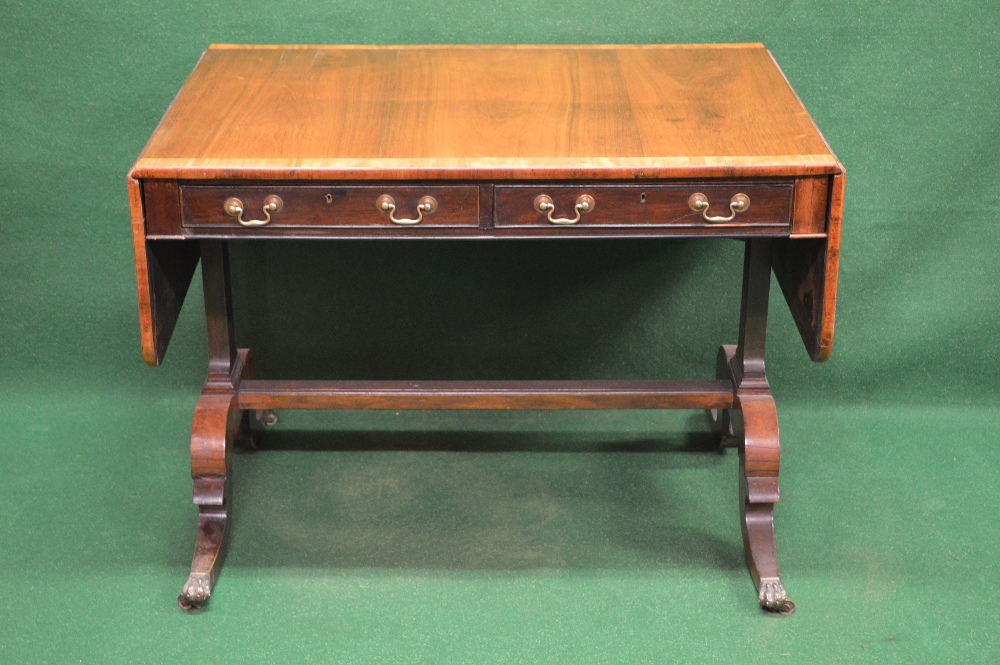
234,208
426,205
699,203
584,204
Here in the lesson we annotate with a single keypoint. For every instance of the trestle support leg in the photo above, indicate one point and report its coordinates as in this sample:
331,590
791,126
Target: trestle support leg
754,424
217,426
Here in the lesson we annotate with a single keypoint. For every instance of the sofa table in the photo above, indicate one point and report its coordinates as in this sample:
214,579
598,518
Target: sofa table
266,143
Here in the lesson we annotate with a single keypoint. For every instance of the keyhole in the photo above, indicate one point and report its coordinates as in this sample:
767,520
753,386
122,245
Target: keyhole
642,199
329,198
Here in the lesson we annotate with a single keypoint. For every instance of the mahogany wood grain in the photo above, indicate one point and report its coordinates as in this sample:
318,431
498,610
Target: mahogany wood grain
807,270
831,269
216,418
810,206
762,453
748,361
485,395
647,205
485,112
753,423
473,233
163,275
486,129
486,197
216,426
162,205
147,325
332,207
799,268
484,115
759,462
643,209
220,333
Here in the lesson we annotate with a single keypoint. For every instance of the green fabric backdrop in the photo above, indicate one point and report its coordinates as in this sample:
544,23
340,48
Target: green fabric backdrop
629,553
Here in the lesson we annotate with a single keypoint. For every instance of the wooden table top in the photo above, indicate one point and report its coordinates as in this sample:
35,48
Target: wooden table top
485,112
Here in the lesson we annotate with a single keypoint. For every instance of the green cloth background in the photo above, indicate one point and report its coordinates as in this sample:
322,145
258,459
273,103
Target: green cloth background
505,537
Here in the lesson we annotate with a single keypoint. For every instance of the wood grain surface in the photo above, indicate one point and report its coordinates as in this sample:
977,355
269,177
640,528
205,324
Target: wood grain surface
627,120
163,273
807,270
485,395
646,205
485,112
332,207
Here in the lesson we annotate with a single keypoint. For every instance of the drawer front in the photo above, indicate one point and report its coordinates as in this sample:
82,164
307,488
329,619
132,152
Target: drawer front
340,207
644,206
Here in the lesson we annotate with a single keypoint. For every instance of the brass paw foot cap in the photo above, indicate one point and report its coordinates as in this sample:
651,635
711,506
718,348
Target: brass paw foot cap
196,592
772,596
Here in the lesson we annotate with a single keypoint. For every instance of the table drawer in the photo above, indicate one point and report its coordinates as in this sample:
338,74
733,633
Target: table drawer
768,205
316,207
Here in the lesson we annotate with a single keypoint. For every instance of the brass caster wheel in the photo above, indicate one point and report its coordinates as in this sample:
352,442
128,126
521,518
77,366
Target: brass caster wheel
266,417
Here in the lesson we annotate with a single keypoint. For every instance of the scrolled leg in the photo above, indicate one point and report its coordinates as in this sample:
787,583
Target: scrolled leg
217,427
755,428
759,462
217,422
